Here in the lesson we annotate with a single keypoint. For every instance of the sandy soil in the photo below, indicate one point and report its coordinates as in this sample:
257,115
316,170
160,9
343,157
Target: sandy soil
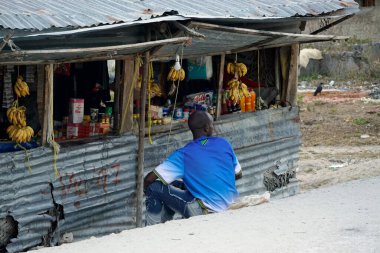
340,136
341,218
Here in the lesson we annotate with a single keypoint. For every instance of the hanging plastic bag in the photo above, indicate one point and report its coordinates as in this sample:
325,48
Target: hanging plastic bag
199,68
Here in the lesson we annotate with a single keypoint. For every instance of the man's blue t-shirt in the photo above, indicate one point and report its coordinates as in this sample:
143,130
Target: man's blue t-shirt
207,166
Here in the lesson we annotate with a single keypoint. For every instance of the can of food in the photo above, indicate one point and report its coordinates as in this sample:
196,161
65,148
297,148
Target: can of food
94,114
178,113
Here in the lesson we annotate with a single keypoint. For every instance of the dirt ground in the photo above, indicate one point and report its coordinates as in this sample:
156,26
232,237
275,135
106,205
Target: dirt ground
340,137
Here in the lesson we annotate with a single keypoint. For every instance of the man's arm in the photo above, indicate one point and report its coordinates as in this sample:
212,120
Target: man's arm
150,178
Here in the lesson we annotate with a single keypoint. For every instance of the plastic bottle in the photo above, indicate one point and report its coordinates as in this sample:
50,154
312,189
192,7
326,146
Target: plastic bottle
229,106
224,107
248,104
253,100
242,104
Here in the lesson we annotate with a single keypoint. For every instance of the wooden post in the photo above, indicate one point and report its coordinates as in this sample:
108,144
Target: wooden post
291,93
220,86
277,76
126,109
49,77
284,62
40,91
140,159
140,168
117,104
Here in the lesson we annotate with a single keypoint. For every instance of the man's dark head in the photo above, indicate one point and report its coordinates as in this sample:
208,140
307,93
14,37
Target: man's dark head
201,124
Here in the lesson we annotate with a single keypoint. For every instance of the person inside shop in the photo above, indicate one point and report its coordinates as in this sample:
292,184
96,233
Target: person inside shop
208,168
96,98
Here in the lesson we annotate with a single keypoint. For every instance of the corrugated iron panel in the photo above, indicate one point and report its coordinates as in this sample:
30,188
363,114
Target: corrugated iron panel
45,14
214,43
259,140
95,188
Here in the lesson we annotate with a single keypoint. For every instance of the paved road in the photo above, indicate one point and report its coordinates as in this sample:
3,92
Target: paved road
342,218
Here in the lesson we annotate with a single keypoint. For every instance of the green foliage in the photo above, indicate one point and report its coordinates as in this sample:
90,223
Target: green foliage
360,121
333,110
300,98
309,78
310,108
319,102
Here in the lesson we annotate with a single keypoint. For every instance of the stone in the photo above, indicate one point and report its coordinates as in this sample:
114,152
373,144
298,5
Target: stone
364,136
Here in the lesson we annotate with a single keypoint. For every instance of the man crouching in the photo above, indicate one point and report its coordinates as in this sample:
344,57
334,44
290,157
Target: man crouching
208,168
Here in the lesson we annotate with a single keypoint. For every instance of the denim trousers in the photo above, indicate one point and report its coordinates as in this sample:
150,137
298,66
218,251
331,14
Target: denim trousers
163,201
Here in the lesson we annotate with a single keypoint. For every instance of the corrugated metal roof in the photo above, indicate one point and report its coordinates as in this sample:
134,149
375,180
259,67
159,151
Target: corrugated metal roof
45,14
230,39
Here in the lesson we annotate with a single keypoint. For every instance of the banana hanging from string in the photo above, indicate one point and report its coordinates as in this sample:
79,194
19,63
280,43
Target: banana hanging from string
239,68
20,134
154,89
174,75
16,115
21,88
237,90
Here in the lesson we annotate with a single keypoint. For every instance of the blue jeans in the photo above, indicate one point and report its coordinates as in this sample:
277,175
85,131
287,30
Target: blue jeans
163,201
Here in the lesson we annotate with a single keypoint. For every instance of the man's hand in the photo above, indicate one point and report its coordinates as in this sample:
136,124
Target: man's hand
238,175
150,178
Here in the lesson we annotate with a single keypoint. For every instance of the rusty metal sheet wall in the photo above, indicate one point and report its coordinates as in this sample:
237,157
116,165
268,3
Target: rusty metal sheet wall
259,139
95,189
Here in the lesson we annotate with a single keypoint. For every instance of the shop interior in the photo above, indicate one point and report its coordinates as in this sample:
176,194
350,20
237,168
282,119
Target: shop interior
87,98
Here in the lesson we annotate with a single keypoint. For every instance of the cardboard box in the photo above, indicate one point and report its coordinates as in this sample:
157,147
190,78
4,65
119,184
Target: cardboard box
99,129
76,110
156,112
72,131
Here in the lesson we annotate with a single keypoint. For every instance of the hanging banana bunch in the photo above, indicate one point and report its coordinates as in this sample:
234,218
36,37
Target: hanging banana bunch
21,87
154,89
16,115
174,75
18,131
20,134
237,90
237,68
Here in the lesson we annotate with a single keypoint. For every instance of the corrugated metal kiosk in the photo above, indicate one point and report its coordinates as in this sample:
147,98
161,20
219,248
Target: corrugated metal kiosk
99,186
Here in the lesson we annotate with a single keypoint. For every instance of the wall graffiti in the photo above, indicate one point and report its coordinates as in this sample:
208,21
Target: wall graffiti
80,184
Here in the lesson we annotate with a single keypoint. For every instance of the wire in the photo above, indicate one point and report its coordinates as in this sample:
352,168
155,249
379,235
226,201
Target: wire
174,106
26,160
149,97
258,76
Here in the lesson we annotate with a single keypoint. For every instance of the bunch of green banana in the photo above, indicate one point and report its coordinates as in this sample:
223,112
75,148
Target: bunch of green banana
16,115
20,134
21,87
174,75
239,68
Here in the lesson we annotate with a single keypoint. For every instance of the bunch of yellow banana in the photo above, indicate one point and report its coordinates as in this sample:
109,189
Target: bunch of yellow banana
154,89
16,115
174,75
21,87
237,90
20,134
239,68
